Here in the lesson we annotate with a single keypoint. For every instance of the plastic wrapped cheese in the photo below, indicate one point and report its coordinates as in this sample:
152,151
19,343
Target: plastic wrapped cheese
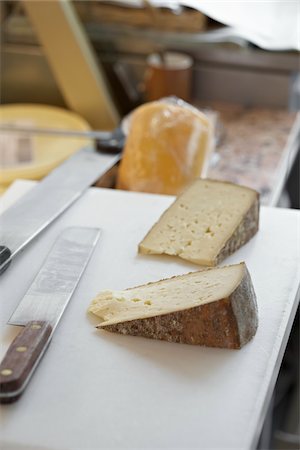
167,147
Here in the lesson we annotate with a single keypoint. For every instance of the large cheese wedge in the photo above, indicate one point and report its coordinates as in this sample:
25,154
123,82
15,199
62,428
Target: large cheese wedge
167,147
206,223
214,307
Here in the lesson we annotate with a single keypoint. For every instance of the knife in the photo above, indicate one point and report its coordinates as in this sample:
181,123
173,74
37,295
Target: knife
42,307
110,141
23,221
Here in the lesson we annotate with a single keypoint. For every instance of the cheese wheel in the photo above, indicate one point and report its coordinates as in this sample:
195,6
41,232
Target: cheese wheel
167,147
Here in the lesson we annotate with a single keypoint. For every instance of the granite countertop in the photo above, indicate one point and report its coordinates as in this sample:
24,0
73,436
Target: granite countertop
256,147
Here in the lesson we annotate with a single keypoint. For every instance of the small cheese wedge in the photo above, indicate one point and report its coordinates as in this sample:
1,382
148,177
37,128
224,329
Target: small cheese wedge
209,221
168,145
214,307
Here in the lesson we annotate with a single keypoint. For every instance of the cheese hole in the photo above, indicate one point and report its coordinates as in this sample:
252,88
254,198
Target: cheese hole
135,300
148,302
181,205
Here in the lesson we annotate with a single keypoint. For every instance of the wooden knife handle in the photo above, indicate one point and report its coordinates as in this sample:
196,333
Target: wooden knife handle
5,258
22,358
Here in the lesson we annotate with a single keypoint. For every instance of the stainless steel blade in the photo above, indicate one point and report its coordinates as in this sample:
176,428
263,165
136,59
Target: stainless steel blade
90,134
46,201
56,281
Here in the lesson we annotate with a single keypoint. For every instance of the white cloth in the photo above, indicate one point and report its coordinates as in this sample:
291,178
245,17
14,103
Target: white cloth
270,24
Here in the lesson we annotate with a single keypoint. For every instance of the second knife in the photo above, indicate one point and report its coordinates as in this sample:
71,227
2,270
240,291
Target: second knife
42,307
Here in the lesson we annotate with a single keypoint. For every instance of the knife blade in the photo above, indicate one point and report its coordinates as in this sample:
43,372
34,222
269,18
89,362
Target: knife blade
42,307
23,221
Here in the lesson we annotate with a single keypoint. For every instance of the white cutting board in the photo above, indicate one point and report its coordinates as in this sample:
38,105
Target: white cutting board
99,390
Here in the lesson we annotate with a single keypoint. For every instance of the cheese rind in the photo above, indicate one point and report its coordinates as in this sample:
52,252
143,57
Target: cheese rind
213,307
205,224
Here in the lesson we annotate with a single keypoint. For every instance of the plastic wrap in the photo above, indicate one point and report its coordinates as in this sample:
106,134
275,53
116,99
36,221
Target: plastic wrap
168,146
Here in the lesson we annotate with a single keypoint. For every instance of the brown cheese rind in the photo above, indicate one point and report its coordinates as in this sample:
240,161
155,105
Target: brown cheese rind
244,305
227,323
244,232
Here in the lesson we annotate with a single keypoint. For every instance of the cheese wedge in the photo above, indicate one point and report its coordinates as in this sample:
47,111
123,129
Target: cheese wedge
167,146
214,307
205,224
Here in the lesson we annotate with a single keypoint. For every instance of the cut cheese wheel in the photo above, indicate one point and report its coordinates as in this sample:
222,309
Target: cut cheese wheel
214,307
206,223
167,146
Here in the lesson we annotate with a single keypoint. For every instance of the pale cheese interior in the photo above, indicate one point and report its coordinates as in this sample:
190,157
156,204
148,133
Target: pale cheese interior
166,296
200,221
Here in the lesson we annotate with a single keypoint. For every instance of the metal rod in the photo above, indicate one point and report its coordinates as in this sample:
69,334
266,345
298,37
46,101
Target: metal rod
103,135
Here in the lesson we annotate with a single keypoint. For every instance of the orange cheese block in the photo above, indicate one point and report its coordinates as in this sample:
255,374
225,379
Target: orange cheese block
167,147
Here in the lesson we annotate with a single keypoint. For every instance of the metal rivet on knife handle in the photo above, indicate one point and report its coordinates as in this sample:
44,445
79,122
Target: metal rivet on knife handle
5,258
21,349
6,372
21,358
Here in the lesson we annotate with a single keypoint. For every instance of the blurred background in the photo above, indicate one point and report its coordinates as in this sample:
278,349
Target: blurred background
239,60
227,66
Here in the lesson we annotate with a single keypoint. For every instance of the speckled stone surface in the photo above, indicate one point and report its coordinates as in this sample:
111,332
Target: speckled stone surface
253,148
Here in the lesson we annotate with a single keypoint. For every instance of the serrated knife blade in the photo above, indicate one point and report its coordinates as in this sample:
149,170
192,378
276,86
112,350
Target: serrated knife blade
42,307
